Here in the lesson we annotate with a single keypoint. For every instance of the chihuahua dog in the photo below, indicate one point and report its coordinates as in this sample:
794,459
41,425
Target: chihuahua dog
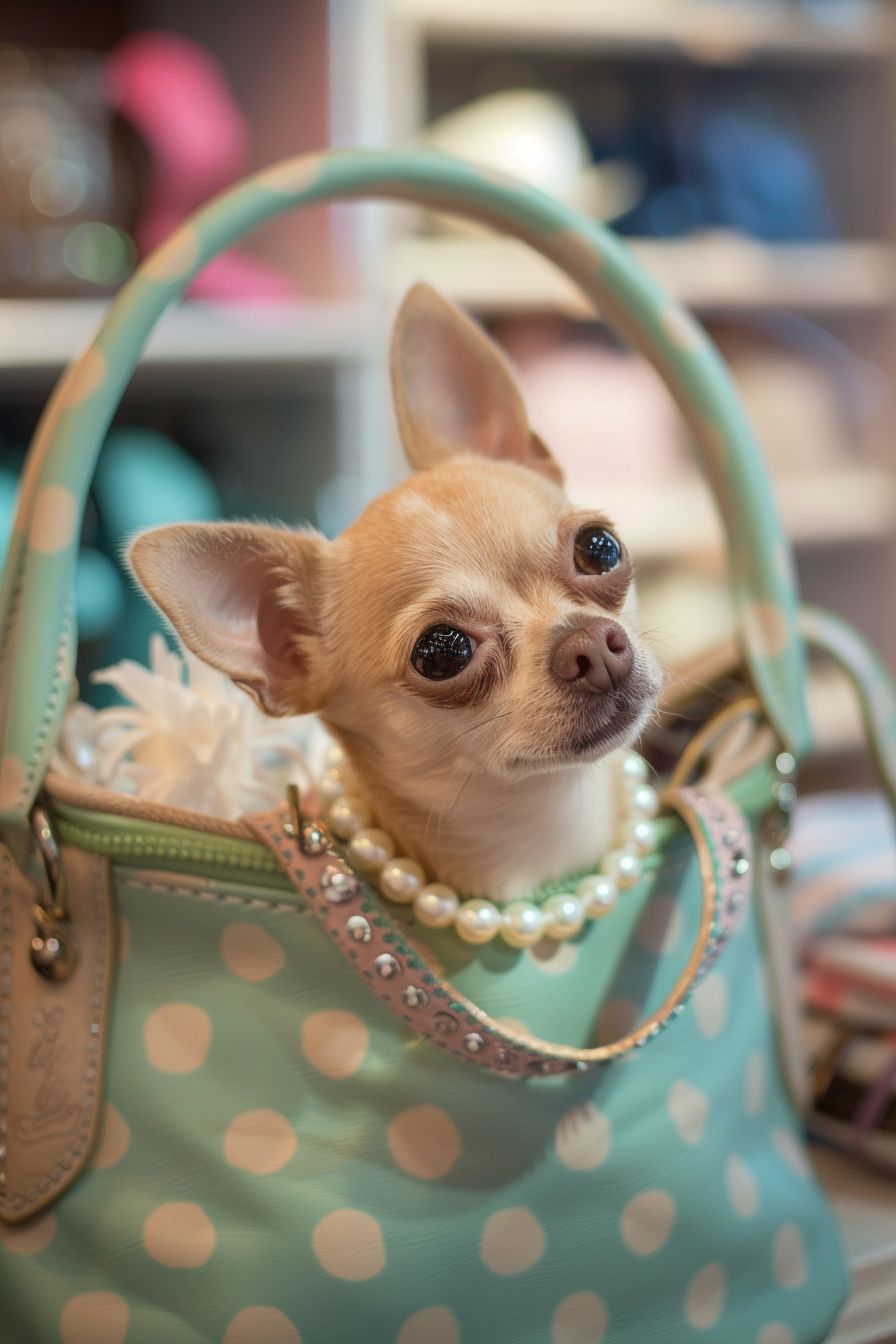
468,640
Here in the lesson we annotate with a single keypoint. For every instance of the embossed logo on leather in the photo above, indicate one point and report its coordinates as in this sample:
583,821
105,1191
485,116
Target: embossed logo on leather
54,1112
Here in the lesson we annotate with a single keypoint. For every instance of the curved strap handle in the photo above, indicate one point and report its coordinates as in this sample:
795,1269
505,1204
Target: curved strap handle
37,631
376,947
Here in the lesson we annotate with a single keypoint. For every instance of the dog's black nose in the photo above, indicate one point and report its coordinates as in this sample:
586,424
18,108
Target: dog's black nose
599,655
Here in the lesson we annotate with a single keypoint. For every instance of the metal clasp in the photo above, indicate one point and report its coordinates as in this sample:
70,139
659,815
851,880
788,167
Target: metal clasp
54,948
312,836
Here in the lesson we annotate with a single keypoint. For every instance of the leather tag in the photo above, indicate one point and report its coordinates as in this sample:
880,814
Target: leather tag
51,1037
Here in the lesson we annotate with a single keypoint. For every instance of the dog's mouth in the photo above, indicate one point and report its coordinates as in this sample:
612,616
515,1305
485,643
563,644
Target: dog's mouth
623,714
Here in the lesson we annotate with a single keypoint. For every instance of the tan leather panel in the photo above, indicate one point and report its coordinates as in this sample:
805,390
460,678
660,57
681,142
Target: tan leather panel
51,1037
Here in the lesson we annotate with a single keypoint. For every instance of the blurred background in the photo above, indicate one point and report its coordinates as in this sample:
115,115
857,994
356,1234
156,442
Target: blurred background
745,148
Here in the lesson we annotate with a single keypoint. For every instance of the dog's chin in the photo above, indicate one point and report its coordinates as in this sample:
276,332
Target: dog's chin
618,725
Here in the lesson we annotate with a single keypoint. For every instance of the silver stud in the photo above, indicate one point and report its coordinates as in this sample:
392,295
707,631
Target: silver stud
740,865
358,929
387,966
415,997
786,796
54,954
780,859
785,764
731,837
338,884
473,1042
445,1024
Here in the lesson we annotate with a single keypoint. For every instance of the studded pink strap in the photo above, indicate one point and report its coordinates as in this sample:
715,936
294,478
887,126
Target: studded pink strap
377,948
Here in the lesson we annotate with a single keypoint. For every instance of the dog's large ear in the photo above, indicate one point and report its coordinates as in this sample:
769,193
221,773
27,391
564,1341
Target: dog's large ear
245,599
454,391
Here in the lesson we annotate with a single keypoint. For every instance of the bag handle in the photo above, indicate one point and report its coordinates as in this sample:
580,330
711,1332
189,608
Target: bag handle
37,626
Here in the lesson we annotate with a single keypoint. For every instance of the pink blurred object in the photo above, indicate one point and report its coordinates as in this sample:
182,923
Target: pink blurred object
176,98
606,416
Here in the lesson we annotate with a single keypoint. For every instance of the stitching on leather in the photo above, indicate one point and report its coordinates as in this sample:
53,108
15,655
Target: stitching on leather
214,897
5,1007
49,714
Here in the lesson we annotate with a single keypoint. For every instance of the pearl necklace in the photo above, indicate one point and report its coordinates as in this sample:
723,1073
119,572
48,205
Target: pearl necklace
520,923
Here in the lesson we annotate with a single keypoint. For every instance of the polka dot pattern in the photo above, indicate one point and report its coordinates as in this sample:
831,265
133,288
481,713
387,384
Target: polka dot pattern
334,1042
512,1241
754,1083
580,1318
710,1000
293,175
349,1245
94,1318
55,519
179,1235
775,1333
175,259
114,1139
432,1325
660,927
688,1108
766,624
705,1297
647,1221
791,1151
743,1192
260,1141
28,1238
789,1256
553,958
582,1138
261,1325
251,952
177,1037
424,1142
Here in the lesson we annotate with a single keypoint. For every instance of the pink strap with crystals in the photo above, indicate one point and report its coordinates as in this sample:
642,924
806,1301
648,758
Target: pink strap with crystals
377,948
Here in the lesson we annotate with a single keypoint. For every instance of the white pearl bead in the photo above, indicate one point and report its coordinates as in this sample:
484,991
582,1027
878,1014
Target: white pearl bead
522,924
645,800
597,892
435,905
623,866
641,837
634,768
330,786
334,758
564,915
370,848
347,815
401,879
477,921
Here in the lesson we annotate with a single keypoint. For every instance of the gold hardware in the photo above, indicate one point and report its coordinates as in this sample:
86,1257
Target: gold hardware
54,948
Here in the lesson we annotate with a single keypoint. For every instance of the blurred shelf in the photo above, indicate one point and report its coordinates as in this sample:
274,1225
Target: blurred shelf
711,33
846,504
47,333
713,271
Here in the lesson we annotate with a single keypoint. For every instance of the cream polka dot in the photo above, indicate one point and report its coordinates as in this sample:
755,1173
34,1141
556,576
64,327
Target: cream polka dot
617,1018
349,1245
647,1221
688,1109
743,1192
251,952
775,1333
123,935
424,1142
788,1256
580,1318
704,1297
175,258
179,1235
552,957
335,1042
28,1238
574,252
432,1325
766,627
711,1005
681,329
94,1318
55,519
660,926
754,1082
791,1151
582,1137
114,1141
261,1325
176,1037
295,174
512,1241
13,783
259,1141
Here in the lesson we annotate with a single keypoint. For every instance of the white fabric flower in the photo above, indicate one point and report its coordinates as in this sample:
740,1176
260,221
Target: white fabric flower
188,737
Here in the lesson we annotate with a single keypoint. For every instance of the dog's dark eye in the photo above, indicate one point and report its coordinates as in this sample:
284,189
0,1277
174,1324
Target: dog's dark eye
596,550
441,652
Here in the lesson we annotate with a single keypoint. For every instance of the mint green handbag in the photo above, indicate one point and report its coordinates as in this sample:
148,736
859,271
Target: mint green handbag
231,1114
